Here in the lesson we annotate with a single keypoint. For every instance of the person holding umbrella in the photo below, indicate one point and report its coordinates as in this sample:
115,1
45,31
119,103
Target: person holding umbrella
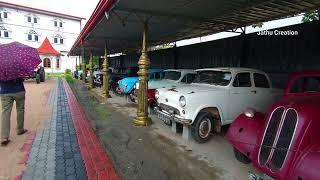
16,62
10,91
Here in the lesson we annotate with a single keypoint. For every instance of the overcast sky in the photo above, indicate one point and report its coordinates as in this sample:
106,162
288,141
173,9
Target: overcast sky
81,8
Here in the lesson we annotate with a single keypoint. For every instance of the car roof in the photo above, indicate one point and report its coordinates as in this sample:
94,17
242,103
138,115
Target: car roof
181,70
232,69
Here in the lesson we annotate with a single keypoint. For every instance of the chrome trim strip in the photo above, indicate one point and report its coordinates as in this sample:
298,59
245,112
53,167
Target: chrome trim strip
277,136
293,135
265,131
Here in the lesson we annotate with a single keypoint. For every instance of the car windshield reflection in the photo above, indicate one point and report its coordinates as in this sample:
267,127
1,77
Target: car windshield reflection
221,78
306,85
172,75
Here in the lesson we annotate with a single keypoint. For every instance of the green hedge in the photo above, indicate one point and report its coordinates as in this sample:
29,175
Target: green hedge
69,78
67,71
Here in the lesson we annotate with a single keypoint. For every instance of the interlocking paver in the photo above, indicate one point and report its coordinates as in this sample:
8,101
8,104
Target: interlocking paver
55,150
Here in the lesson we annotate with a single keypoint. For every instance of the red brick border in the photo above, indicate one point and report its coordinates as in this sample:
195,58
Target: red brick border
97,163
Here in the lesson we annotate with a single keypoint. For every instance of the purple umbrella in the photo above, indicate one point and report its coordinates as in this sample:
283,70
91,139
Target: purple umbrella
17,61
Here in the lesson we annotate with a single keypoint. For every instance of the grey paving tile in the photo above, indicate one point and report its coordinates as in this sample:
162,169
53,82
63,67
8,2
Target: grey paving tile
55,152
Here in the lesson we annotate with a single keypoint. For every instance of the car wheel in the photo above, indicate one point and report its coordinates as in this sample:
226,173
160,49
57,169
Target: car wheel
132,98
117,90
241,157
203,127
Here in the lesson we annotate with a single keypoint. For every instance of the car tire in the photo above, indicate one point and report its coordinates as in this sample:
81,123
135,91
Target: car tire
202,128
131,98
241,157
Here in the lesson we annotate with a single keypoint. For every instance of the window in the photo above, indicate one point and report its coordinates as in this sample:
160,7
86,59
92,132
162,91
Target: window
156,75
188,78
306,84
261,81
57,39
5,15
6,34
58,23
221,78
172,75
46,63
242,80
32,18
58,64
33,36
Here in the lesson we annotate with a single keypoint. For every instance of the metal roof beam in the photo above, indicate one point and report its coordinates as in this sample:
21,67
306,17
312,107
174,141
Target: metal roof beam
178,17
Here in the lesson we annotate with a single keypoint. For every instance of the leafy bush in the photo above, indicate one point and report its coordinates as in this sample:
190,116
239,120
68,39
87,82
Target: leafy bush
67,71
69,79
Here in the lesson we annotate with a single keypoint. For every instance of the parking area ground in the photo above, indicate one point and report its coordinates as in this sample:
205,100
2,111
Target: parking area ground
155,152
74,134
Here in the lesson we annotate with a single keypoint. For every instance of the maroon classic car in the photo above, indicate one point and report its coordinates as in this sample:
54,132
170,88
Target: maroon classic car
284,143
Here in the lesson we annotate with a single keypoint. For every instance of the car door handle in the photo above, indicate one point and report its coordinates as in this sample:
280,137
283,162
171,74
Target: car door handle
254,91
235,93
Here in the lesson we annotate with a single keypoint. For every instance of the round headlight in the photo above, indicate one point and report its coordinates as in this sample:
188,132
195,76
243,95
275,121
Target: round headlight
249,112
182,101
156,95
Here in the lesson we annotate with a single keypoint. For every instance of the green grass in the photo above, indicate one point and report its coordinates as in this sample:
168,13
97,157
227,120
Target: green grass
55,75
100,109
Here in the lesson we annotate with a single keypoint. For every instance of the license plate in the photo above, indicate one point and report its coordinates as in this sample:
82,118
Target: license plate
163,117
253,176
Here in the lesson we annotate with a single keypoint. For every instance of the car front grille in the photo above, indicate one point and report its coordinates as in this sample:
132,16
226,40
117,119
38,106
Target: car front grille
278,137
169,109
270,135
284,140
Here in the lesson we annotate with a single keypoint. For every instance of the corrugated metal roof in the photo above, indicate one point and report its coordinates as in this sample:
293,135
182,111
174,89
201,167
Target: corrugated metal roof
120,23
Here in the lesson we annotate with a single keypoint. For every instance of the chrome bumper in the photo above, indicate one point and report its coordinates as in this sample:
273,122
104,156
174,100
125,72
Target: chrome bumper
170,116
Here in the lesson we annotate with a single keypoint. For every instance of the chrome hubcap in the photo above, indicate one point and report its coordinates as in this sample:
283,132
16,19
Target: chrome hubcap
205,128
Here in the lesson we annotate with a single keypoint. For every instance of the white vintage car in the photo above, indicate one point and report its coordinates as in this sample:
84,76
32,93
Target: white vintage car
172,78
215,98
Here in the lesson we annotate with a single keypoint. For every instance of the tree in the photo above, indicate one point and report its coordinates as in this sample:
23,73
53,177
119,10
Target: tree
311,16
307,17
257,25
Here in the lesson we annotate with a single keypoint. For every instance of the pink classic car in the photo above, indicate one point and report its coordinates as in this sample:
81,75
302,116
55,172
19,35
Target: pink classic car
284,143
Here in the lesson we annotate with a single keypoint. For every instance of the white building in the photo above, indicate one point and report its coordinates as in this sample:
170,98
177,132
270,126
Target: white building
32,26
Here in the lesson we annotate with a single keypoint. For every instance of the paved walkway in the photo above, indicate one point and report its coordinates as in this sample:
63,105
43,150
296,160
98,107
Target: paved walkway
68,147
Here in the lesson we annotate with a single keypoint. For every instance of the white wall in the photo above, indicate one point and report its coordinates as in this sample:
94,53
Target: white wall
19,27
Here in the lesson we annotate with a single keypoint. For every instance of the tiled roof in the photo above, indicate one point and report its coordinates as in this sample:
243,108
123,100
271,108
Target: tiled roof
46,48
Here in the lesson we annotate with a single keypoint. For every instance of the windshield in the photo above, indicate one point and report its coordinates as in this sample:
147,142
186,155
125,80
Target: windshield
306,85
221,78
172,75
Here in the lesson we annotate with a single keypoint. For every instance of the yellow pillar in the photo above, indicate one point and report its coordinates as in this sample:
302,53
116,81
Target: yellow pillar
105,70
91,85
142,118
